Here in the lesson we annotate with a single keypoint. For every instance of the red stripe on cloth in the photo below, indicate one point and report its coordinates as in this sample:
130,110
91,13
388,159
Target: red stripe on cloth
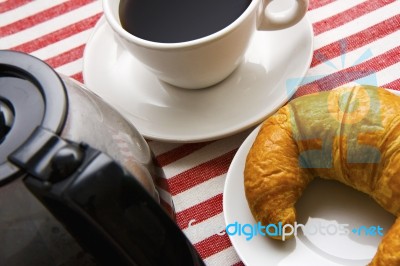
394,85
179,152
314,4
239,264
213,245
200,173
356,40
67,57
353,73
12,4
348,15
42,16
58,35
200,212
78,77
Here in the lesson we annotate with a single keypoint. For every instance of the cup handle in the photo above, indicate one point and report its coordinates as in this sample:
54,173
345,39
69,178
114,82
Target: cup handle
283,19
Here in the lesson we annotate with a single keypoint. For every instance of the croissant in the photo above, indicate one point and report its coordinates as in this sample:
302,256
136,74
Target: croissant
350,134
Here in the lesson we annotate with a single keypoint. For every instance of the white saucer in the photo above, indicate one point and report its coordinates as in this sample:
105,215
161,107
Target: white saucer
327,203
163,112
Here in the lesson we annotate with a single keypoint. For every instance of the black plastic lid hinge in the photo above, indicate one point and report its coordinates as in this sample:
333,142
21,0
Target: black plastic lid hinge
48,157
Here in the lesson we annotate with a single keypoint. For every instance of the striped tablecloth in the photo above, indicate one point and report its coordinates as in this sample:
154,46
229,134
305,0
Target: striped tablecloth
353,39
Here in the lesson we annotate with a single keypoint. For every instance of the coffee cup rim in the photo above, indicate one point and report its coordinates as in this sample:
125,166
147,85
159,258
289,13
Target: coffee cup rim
114,22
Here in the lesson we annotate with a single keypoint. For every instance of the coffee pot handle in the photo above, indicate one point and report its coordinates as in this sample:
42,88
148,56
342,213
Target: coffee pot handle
270,20
101,204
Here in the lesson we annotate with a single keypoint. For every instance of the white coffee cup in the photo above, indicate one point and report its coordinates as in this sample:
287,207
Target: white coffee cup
208,60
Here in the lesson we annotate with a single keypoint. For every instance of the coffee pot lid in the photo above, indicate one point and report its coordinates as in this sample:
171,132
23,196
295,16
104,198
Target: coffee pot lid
31,95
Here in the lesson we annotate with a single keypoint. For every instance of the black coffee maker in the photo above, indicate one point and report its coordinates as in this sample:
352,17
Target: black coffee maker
74,173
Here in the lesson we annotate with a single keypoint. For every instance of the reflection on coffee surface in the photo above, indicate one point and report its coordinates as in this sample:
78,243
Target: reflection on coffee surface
171,21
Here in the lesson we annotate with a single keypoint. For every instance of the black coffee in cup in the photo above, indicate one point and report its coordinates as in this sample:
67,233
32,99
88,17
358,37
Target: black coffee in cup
171,21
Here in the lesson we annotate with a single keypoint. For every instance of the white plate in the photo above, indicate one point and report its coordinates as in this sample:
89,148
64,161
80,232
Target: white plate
327,203
163,112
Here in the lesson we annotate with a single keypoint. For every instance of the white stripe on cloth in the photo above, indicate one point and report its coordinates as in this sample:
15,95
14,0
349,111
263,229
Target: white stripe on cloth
363,53
59,22
199,193
357,25
203,155
331,9
27,10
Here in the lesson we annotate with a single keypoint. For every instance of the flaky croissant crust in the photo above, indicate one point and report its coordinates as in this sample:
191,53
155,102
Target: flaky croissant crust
349,134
